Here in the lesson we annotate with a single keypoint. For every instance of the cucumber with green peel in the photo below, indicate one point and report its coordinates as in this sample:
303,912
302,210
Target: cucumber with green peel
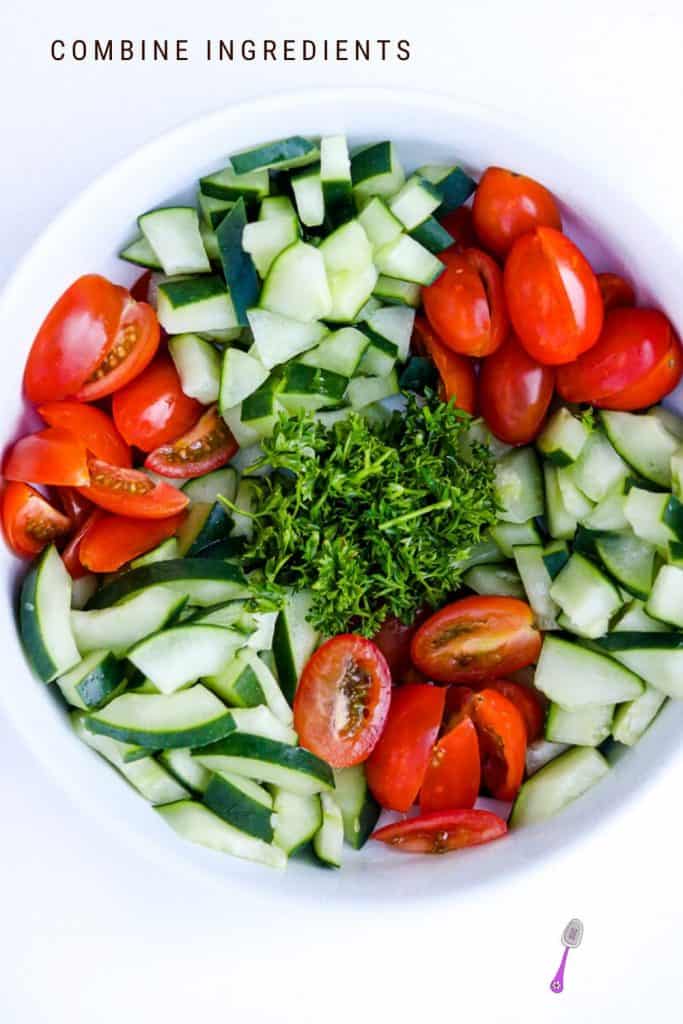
633,718
643,442
335,177
297,819
241,374
350,290
205,489
483,553
229,615
556,785
308,195
238,267
394,324
677,473
328,841
278,338
174,657
185,768
198,365
629,560
260,721
561,523
599,469
654,517
359,809
213,210
297,285
562,439
275,207
497,579
242,803
309,388
432,236
379,223
584,593
370,307
656,657
264,240
243,523
670,420
406,259
379,355
634,619
192,525
364,391
141,253
346,249
215,528
573,499
419,375
665,600
280,155
609,513
519,486
513,535
574,676
94,681
395,292
376,171
414,202
540,753
203,581
196,823
161,553
261,637
267,760
173,234
294,641
341,352
195,305
555,557
227,184
454,184
83,588
247,682
118,627
595,629
45,617
536,584
586,727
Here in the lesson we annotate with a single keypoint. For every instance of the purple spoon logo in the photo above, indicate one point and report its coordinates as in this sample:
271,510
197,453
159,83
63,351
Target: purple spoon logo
571,938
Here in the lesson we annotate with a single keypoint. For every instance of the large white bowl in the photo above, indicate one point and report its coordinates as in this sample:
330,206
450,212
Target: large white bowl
616,234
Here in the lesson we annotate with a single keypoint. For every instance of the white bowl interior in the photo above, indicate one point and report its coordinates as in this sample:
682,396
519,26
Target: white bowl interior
615,233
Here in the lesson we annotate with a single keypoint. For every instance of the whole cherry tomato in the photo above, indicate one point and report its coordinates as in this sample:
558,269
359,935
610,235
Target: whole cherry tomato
515,392
616,291
466,304
458,380
153,409
508,205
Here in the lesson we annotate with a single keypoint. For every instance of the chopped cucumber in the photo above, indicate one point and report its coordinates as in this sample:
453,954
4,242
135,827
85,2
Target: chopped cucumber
341,352
666,598
297,286
198,365
187,770
195,822
281,155
45,617
536,584
203,581
360,811
585,727
555,557
173,234
308,194
513,535
452,182
415,202
561,523
643,442
655,657
634,619
328,841
278,338
310,388
500,580
242,803
294,641
238,267
205,489
573,499
297,819
376,171
394,324
94,681
598,469
519,487
584,593
267,760
141,253
557,784
335,177
247,682
381,226
241,375
574,676
633,718
406,259
175,657
195,305
363,391
654,517
227,184
396,292
540,753
264,240
629,560
119,627
563,438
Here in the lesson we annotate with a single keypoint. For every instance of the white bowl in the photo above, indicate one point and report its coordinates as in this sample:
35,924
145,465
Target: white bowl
616,234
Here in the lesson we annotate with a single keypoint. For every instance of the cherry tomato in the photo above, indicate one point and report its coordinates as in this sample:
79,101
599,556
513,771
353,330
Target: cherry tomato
458,378
74,506
114,540
616,292
342,700
515,392
508,205
527,701
71,553
92,426
29,521
502,742
207,446
153,409
140,289
466,304
458,224
127,355
553,297
52,456
476,639
636,361
393,640
396,768
442,831
453,774
457,701
129,492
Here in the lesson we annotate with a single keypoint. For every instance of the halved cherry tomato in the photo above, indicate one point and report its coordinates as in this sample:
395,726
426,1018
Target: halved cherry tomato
502,742
29,521
153,409
114,540
616,292
51,456
442,831
453,774
139,290
476,639
129,492
515,392
457,702
458,378
74,506
128,353
207,446
528,703
393,640
636,361
466,304
507,205
458,224
396,768
71,553
553,296
92,426
342,700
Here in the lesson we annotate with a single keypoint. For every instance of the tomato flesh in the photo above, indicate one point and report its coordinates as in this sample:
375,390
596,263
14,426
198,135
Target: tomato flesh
74,506
342,700
466,304
507,205
396,768
476,639
207,446
128,353
71,553
527,701
453,774
92,426
515,392
502,742
30,522
51,456
114,540
616,292
129,492
153,409
442,831
458,380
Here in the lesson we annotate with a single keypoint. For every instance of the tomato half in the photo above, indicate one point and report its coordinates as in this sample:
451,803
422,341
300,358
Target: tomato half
616,292
502,742
457,701
114,540
129,492
527,701
74,506
342,700
396,768
514,392
442,831
507,205
153,409
71,553
453,774
207,446
553,296
128,353
29,521
393,640
466,304
139,290
51,456
636,361
458,380
476,639
458,224
92,426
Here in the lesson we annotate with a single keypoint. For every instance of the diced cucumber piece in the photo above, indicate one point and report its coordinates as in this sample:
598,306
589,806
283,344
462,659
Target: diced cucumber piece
563,437
519,488
45,617
278,339
406,259
379,357
432,235
370,307
308,194
339,352
242,803
141,253
94,681
335,176
297,819
555,557
654,517
328,841
210,242
359,809
483,553
610,513
363,391
415,202
264,240
656,657
282,154
452,182
238,266
204,526
83,589
634,619
161,553
629,560
395,292
556,785
266,760
230,615
586,727
596,629
206,488
573,499
294,641
561,524
666,599
500,580
296,286
119,627
173,233
203,581
643,442
175,657
261,638
195,822
598,469
379,223
198,365
670,420
241,375
186,769
394,324
513,535
376,171
635,717
418,374
214,210
260,721
574,676
584,593
247,682
479,432
274,207
227,184
350,290
540,753
536,584
309,388
195,305
677,473
347,248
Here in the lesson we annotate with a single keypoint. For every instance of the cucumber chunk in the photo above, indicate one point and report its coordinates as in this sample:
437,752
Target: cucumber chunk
587,727
198,305
598,469
500,580
297,286
452,182
406,259
227,184
308,194
536,584
203,581
376,171
364,391
657,518
513,535
241,375
519,487
396,292
141,253
294,641
335,176
584,593
246,681
655,657
278,338
574,676
94,681
563,438
359,809
328,841
195,822
557,784
629,560
282,154
45,617
633,718
264,240
540,753
198,365
634,619
561,523
415,202
340,352
379,223
666,599
175,657
186,769
238,267
205,489
119,627
297,819
267,760
242,803
643,442
173,233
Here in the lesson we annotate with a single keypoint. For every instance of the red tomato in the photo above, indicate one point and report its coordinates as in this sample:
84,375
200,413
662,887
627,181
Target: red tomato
129,492
29,521
114,540
342,700
616,292
507,205
128,353
71,553
466,304
514,392
458,224
442,831
454,771
502,742
52,456
476,639
393,640
207,446
458,378
636,361
75,507
140,289
92,426
457,701
396,768
153,409
553,296
528,703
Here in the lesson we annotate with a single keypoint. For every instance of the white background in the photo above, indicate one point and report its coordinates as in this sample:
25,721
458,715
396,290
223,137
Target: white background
88,931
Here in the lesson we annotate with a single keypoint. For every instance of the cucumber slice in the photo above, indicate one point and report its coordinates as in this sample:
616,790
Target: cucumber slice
94,681
203,581
308,195
175,657
483,553
242,803
227,184
500,580
395,292
555,557
657,518
350,290
584,593
574,676
655,657
556,785
297,819
274,207
161,553
514,535
419,374
629,560
335,176
536,584
117,628
141,253
452,182
328,841
666,600
205,489
379,223
394,324
364,391
198,824
261,639
610,513
432,235
45,617
573,499
596,629
198,365
376,171
267,760
261,721
173,233
264,240
278,338
519,488
359,809
297,286
195,305
670,420
307,388
83,589
282,154
598,469
634,619
294,641
643,442
563,438
215,529
380,355
346,249
189,718
635,717
213,210
540,753
242,374
339,352
406,259
184,767
587,727
561,523
247,682
238,267
415,202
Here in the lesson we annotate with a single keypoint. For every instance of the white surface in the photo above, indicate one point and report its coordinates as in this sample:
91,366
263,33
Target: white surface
82,914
